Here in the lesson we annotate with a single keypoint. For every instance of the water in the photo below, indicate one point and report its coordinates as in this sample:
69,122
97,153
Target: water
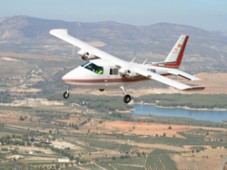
213,116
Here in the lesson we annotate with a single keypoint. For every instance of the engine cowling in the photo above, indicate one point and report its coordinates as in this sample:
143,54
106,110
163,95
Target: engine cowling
126,73
86,55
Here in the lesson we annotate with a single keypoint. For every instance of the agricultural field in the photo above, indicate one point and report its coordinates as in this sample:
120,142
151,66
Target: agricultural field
96,130
46,134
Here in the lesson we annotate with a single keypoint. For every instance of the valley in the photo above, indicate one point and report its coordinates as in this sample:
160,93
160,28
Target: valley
96,130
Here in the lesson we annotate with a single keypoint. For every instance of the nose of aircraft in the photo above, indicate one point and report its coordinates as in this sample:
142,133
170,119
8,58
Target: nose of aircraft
77,73
66,77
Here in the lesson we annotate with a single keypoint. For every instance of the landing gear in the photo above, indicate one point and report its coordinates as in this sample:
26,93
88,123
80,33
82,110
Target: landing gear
101,90
127,98
66,94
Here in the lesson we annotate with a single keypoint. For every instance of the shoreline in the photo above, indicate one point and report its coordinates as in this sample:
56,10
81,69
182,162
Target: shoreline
183,107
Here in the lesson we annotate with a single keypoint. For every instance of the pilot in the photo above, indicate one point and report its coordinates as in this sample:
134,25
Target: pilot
99,71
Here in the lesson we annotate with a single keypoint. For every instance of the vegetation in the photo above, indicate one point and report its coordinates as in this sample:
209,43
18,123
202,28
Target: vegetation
116,150
76,121
5,97
34,137
160,159
193,100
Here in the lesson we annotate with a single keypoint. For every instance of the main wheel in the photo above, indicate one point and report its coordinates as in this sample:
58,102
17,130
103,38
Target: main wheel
127,98
66,94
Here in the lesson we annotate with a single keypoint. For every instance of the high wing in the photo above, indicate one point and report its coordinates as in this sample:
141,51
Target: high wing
63,35
137,68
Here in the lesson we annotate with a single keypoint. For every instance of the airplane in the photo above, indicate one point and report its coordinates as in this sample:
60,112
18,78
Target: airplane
104,71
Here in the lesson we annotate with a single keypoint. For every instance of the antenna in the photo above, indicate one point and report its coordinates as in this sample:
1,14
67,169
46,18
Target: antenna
133,60
144,61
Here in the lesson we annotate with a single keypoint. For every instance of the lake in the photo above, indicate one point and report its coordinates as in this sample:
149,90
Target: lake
213,116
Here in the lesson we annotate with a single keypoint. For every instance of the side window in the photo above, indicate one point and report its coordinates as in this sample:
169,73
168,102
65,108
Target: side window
113,71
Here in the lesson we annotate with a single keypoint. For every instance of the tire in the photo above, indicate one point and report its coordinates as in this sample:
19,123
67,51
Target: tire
127,98
66,95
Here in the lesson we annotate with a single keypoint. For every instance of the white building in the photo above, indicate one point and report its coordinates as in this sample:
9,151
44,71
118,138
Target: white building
63,160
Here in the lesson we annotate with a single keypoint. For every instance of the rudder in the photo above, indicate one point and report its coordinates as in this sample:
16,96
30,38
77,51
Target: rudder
174,58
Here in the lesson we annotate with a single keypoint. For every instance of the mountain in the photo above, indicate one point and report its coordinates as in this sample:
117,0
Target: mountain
206,51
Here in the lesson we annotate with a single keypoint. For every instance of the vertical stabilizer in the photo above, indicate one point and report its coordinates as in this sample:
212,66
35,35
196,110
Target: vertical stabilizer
173,60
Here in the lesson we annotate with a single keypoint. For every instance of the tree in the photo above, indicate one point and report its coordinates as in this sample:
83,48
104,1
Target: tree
138,154
164,134
21,118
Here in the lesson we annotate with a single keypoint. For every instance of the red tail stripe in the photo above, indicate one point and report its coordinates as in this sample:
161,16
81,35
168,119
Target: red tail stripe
180,56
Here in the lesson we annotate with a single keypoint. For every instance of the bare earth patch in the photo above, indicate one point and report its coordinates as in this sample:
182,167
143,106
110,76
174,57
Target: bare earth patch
138,128
208,159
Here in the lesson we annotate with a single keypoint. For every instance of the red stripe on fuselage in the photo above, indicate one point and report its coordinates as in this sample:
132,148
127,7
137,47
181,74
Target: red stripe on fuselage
109,80
106,80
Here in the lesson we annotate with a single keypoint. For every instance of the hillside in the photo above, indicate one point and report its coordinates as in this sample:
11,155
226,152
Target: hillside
206,51
96,130
33,61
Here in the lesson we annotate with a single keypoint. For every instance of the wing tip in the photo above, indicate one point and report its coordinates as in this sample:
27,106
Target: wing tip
192,88
58,31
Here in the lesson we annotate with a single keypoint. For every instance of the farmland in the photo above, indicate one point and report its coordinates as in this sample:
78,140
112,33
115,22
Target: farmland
96,130
38,135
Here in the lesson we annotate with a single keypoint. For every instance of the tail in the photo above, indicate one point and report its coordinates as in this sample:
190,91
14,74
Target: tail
173,60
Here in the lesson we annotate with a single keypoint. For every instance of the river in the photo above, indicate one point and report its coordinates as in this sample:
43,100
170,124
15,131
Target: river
213,116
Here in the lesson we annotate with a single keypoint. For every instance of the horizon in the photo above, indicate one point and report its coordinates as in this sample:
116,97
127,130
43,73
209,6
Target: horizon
7,17
211,16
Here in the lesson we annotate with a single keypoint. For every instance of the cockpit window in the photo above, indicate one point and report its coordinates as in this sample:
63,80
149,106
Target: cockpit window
84,64
93,67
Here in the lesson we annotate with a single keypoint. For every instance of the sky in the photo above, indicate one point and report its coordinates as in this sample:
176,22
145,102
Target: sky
207,14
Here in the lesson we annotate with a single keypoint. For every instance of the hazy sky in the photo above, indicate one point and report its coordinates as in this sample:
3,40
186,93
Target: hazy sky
207,14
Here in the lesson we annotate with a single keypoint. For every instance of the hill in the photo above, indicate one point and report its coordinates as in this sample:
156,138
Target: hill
33,61
206,51
38,129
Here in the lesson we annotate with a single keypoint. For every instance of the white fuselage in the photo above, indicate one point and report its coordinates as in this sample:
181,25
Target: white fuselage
101,74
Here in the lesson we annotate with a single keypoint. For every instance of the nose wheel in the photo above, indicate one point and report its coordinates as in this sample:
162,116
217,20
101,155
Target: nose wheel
66,94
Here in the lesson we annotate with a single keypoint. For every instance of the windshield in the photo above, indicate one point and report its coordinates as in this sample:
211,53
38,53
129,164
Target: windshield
93,67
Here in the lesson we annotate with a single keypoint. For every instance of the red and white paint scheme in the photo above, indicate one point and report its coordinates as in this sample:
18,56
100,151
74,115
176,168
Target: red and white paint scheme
103,71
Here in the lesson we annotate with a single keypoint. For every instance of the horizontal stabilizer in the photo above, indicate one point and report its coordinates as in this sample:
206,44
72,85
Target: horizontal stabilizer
162,79
182,74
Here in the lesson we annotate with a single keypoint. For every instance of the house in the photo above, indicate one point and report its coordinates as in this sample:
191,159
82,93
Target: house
63,160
